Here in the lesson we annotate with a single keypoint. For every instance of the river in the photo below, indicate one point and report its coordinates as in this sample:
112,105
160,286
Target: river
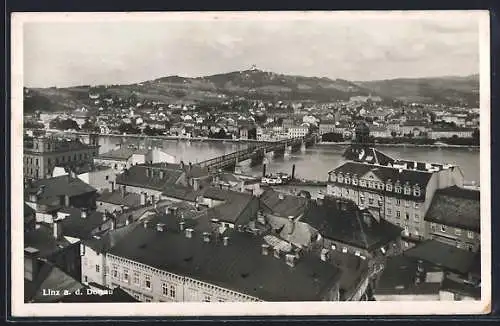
313,163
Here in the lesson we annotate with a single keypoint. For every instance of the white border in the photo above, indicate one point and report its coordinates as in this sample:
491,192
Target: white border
20,309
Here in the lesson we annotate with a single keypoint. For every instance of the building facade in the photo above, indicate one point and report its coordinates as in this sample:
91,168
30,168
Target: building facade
43,154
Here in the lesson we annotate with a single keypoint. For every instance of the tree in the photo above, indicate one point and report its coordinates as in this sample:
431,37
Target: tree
127,128
393,134
66,124
89,126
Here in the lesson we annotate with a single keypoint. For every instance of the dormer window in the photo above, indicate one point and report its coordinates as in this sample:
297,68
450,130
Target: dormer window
354,181
398,189
348,180
407,190
333,177
362,183
340,178
416,191
388,187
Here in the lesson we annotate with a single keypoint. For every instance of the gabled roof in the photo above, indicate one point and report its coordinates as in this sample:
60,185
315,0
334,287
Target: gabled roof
122,154
60,186
42,239
78,227
456,207
281,204
240,266
129,199
445,256
137,176
233,208
343,221
49,278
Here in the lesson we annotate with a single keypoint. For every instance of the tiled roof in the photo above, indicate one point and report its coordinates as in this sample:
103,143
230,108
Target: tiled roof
49,277
60,186
78,227
240,266
129,199
367,154
235,205
180,192
272,203
461,288
342,221
444,255
456,207
137,176
110,238
42,239
398,278
122,153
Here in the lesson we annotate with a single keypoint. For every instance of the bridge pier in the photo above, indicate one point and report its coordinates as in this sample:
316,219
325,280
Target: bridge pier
257,157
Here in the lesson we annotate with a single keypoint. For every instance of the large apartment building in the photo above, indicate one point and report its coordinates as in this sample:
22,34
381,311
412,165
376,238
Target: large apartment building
398,191
42,154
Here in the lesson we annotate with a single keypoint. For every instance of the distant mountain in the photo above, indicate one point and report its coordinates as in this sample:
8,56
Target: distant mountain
258,84
451,90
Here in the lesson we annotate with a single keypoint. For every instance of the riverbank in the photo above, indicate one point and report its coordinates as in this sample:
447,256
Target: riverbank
441,145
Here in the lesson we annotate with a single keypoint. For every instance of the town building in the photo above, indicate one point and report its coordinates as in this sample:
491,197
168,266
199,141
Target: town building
454,218
124,157
399,191
99,177
450,132
42,154
206,266
326,126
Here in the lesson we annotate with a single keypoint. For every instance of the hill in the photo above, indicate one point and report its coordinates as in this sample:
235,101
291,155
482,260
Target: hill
451,90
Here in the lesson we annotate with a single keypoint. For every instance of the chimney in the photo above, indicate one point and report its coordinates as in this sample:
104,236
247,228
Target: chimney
84,213
225,241
182,225
281,196
160,227
31,263
263,170
196,184
265,249
206,237
66,201
291,224
145,224
277,253
189,233
57,229
143,199
290,260
113,223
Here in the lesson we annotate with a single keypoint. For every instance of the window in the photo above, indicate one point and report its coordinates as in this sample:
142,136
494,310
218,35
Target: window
125,275
443,228
398,214
347,180
85,279
137,280
164,288
69,158
333,247
458,231
207,298
370,201
80,157
417,218
407,203
398,202
362,183
470,234
355,182
147,282
114,271
407,190
74,157
389,211
172,291
398,189
370,184
416,205
344,250
97,268
407,216
36,162
221,300
107,177
49,161
416,192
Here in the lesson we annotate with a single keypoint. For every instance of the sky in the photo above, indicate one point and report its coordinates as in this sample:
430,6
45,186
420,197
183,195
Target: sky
119,51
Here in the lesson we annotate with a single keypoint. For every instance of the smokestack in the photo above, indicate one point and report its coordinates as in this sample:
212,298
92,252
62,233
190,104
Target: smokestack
57,229
263,170
181,225
31,263
293,171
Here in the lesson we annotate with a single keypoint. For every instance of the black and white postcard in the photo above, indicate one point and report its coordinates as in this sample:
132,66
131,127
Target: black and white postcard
250,163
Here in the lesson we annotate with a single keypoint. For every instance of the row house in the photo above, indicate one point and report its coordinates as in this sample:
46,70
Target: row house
202,266
437,133
400,193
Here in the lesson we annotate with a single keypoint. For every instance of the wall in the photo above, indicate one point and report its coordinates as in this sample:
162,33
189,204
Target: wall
99,179
184,289
460,238
90,260
159,156
115,164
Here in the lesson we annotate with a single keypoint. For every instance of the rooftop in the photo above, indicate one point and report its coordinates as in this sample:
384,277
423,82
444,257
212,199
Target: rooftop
129,199
76,226
123,153
43,240
461,288
59,186
343,221
399,278
281,204
240,266
457,207
445,256
137,175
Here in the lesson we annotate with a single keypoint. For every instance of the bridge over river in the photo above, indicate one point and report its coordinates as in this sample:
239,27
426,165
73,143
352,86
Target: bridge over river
256,152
